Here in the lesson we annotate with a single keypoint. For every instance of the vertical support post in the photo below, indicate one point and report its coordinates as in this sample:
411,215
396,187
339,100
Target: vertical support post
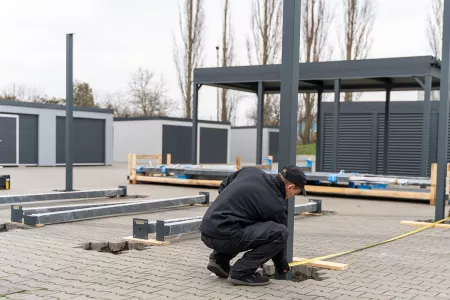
260,123
289,105
194,125
374,142
443,117
69,112
426,126
319,150
386,131
337,100
168,159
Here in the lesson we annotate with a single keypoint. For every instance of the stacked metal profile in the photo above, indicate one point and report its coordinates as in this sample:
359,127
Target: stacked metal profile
69,213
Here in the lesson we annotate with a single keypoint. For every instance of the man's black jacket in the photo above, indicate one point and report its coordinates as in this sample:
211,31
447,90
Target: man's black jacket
246,197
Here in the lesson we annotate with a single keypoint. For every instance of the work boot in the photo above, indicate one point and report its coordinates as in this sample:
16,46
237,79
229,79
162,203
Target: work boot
219,269
251,280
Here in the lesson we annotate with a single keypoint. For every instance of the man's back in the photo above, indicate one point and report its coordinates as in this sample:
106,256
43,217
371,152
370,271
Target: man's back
246,197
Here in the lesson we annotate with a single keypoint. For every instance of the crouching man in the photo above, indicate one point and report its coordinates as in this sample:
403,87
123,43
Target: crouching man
250,214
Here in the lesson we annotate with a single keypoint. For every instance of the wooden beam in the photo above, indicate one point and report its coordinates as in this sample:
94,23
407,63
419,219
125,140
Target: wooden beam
419,224
151,242
433,184
238,162
367,193
148,156
324,264
169,159
133,168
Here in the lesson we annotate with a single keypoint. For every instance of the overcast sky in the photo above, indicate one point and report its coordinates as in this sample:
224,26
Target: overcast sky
115,37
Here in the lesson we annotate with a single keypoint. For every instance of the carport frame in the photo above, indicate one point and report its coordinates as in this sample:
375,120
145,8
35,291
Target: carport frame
391,74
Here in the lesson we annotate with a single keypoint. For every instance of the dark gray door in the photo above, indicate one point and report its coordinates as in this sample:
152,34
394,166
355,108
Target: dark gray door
213,145
177,141
8,140
28,139
273,145
88,141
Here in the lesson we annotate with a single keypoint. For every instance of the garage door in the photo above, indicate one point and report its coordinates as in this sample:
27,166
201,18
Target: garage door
273,145
28,139
177,141
88,141
213,145
9,139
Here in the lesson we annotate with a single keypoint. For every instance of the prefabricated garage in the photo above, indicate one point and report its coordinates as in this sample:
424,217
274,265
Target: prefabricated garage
34,134
163,135
243,143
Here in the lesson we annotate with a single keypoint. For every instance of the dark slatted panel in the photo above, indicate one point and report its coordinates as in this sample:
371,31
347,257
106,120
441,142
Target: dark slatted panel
328,142
380,144
405,144
354,145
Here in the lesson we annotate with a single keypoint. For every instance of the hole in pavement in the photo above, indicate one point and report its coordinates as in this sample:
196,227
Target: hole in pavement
114,248
299,273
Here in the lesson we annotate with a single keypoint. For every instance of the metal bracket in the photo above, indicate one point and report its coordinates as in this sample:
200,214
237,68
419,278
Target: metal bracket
318,205
140,229
207,199
16,213
420,82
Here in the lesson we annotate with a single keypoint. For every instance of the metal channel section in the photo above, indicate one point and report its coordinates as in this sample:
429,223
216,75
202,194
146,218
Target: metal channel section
113,210
314,206
120,192
18,211
166,228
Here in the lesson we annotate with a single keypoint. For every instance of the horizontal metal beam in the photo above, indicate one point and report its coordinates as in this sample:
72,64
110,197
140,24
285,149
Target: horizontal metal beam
314,206
120,192
142,227
164,229
170,227
112,210
398,67
18,211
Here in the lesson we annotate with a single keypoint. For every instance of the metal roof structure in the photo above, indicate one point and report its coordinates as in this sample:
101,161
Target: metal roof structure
400,74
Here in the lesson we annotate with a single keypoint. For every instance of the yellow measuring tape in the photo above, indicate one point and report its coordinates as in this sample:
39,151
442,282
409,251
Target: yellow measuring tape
307,261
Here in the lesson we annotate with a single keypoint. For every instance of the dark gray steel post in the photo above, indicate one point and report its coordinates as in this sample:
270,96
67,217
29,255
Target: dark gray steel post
443,117
337,100
386,131
260,123
69,112
289,105
194,125
319,150
426,126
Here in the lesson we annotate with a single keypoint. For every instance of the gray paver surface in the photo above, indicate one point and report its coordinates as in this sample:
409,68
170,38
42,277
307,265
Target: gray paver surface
48,263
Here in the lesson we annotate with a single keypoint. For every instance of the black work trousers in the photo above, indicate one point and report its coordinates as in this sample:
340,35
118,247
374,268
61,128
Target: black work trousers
265,241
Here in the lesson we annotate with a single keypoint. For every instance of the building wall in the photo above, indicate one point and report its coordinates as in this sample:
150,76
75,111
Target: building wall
47,129
145,136
361,138
243,143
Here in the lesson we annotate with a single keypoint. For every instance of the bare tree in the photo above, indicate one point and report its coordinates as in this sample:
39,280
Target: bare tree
119,104
188,56
355,40
148,96
19,92
435,27
316,20
264,47
229,98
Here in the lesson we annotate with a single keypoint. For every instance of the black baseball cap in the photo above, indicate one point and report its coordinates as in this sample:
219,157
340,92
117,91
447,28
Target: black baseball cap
295,175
